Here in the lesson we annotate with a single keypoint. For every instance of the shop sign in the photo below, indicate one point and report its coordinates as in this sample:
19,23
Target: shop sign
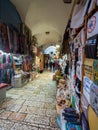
88,68
94,98
92,26
86,89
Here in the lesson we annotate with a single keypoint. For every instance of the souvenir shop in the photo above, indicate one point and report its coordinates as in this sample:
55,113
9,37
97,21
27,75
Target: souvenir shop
15,50
77,95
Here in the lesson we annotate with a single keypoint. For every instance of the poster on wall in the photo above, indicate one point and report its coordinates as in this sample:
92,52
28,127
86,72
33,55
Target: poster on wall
94,98
91,48
79,40
79,70
80,54
82,37
85,105
86,89
92,26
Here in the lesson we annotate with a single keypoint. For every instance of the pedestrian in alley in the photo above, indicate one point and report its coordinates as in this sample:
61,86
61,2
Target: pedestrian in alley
50,63
40,67
66,71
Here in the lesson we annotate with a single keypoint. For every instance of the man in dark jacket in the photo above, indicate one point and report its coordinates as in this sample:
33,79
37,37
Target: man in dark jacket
66,71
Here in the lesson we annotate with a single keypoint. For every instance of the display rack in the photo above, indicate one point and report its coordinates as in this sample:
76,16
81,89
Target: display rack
86,100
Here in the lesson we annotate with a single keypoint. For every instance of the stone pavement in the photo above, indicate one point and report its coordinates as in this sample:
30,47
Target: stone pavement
31,107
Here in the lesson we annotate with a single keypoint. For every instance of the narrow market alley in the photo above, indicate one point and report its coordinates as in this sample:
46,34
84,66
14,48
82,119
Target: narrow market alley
48,64
31,107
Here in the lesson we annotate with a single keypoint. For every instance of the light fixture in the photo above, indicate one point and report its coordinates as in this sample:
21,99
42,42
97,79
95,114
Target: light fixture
47,32
67,1
57,46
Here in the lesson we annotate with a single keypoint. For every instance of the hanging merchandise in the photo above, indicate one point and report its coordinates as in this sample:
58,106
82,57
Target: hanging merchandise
79,70
78,87
70,115
91,48
79,39
86,89
80,54
73,100
63,98
92,119
82,37
77,103
85,105
79,13
94,98
72,47
27,63
92,37
84,122
6,67
88,68
77,42
4,41
58,122
95,65
70,126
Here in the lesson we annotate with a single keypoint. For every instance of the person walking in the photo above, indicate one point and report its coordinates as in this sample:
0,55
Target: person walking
66,71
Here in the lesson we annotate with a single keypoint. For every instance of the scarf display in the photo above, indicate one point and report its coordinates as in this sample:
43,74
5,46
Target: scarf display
6,68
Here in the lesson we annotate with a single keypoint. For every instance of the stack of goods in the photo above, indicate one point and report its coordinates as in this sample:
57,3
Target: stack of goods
16,81
62,84
89,104
71,118
63,97
25,76
58,75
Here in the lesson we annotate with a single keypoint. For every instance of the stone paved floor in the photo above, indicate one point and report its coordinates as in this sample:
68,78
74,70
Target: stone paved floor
31,107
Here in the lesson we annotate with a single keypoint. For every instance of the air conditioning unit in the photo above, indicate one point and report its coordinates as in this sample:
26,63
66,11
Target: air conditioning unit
67,1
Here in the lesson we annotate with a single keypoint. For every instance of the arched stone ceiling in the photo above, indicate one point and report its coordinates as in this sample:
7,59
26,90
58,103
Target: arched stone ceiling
44,16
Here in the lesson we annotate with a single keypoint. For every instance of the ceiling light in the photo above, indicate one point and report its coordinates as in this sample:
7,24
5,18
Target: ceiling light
57,46
67,1
47,32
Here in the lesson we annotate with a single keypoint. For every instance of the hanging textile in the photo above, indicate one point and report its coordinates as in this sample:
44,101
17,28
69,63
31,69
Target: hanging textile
6,68
79,13
85,105
79,70
94,98
84,122
86,89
